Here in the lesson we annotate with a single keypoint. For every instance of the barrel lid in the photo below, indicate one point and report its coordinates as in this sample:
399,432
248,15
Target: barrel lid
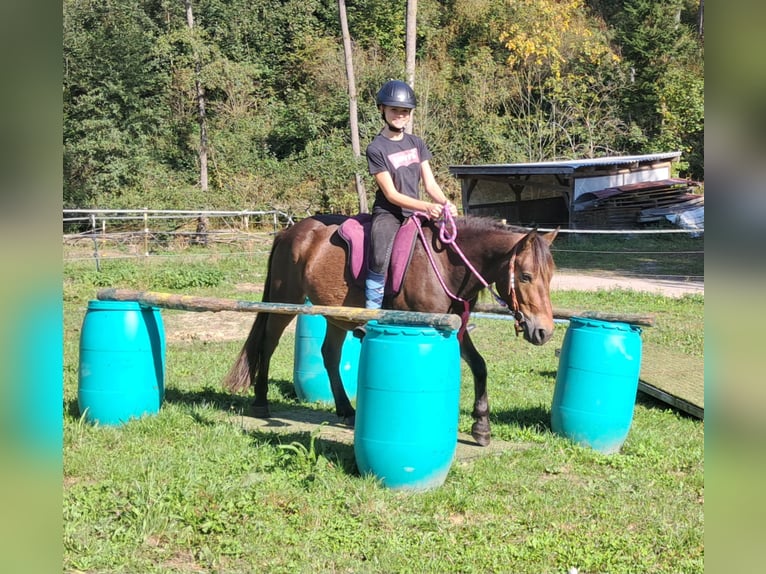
600,323
407,330
98,305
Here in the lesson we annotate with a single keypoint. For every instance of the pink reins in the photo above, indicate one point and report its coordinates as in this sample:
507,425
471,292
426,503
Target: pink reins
448,235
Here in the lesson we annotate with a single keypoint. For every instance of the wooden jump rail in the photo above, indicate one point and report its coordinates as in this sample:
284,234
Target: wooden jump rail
633,319
215,304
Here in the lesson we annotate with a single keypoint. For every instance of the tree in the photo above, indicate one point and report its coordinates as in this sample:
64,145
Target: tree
257,93
410,48
661,45
563,82
201,220
353,115
200,96
113,99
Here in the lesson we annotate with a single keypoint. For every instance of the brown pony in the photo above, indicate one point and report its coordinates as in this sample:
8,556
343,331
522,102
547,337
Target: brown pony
309,260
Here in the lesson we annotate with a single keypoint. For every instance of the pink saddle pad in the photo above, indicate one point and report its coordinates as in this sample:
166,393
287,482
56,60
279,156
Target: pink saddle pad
355,231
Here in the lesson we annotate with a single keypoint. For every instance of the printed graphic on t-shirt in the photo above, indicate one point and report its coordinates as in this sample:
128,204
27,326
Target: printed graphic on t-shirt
404,158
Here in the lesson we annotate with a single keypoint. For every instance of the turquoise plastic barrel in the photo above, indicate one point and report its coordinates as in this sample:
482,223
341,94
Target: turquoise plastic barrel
122,362
408,399
596,383
312,384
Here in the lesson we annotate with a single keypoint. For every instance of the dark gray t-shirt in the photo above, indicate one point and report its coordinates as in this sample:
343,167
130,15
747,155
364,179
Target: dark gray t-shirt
402,160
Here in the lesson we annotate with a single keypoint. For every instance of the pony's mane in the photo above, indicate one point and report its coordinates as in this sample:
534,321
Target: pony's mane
480,223
540,249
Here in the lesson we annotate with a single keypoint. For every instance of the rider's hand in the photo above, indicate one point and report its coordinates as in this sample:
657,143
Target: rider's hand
434,210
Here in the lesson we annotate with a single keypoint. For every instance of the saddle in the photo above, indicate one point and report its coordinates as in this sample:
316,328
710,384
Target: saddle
355,232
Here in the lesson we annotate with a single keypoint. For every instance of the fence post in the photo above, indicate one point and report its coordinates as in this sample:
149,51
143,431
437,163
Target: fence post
95,241
146,231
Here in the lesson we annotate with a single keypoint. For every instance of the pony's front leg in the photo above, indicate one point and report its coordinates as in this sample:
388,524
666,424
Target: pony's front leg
477,364
331,354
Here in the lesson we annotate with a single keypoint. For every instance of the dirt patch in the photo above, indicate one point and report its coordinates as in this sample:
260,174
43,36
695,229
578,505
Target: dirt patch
185,326
666,287
249,288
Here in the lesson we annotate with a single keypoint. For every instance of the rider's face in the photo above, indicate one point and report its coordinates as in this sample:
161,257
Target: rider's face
397,116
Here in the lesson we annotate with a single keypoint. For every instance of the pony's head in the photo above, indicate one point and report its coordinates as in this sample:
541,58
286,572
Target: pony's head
526,286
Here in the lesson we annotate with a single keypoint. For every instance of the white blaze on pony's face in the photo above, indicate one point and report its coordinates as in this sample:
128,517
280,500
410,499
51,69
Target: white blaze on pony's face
527,286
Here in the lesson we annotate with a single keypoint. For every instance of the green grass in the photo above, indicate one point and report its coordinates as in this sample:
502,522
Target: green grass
674,255
191,490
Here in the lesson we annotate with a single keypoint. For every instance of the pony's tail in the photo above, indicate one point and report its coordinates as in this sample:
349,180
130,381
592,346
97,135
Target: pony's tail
239,377
237,380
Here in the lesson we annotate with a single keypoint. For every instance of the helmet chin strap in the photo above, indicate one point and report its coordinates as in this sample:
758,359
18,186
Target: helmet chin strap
391,127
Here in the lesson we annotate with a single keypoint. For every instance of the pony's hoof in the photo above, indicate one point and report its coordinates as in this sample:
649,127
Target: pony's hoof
350,420
260,411
480,436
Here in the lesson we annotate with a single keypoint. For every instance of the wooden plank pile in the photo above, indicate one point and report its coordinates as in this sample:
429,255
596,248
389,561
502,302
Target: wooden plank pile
627,206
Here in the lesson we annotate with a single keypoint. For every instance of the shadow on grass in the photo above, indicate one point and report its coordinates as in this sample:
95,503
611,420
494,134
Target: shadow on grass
291,423
308,446
537,418
282,393
73,409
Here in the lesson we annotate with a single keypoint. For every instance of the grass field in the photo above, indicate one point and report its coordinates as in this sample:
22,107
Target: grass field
191,490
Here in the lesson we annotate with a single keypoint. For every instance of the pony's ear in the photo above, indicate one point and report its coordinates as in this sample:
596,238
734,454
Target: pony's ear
528,239
551,235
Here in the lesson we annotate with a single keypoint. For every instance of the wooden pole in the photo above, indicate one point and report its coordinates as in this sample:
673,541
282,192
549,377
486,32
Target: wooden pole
351,314
632,319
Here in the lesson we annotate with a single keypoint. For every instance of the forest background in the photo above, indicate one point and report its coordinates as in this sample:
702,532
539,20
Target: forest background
497,82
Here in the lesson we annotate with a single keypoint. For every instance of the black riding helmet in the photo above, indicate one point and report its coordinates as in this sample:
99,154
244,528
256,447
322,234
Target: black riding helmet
396,94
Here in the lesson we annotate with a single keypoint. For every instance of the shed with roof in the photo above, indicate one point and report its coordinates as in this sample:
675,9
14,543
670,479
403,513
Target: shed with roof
605,192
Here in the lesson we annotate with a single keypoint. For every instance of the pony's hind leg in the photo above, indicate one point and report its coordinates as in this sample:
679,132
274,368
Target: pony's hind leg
332,348
480,428
259,377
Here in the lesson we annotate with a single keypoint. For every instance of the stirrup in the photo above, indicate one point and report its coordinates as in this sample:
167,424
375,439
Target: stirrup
359,331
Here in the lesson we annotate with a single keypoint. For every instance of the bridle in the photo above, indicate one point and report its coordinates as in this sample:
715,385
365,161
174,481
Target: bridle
518,315
448,235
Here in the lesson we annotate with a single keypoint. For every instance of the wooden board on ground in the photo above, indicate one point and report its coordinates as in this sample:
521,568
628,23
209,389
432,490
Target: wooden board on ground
674,378
326,424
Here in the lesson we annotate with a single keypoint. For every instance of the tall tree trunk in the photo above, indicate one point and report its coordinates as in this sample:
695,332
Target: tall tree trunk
701,19
409,48
200,102
352,106
202,220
